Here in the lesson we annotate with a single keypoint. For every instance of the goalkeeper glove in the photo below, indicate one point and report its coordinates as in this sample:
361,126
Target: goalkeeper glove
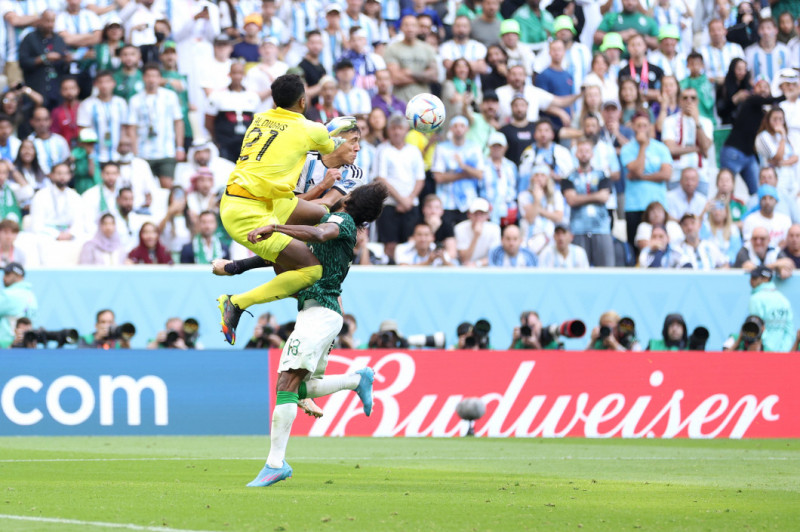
341,124
337,141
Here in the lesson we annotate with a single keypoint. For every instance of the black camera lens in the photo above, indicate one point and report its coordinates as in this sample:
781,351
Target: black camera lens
526,331
605,331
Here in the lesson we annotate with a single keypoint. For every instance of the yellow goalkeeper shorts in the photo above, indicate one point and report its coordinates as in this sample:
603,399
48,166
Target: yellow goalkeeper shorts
241,215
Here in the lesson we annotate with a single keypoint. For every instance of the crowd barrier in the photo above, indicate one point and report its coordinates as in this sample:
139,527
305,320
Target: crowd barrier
422,300
527,394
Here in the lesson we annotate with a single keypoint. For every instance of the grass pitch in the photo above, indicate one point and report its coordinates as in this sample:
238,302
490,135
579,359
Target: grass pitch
198,483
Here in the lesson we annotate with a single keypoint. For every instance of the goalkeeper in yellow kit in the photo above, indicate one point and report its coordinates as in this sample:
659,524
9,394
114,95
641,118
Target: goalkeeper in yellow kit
260,192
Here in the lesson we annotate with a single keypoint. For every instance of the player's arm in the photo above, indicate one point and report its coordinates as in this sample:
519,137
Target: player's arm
304,233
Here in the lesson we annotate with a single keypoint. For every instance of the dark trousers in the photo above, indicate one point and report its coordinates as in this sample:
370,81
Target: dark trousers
599,249
632,220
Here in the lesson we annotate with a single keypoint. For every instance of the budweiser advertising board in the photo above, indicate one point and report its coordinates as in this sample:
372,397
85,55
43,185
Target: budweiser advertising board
558,394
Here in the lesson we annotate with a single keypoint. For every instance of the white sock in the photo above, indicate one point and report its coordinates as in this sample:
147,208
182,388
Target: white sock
282,419
332,384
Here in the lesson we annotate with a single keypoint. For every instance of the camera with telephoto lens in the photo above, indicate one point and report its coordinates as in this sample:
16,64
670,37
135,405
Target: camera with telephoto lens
436,340
191,330
569,329
478,335
752,329
41,336
698,339
125,332
626,328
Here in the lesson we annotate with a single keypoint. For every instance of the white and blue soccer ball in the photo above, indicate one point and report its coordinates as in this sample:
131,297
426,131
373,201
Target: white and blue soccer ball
425,113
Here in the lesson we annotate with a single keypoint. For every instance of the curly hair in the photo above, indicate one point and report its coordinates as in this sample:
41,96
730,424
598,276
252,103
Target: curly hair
365,203
287,90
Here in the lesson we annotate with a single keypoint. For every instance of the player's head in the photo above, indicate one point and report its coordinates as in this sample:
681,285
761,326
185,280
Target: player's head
365,203
289,92
352,135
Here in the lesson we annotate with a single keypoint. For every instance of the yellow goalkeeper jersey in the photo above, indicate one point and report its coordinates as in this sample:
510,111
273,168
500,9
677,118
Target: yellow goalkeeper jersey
274,151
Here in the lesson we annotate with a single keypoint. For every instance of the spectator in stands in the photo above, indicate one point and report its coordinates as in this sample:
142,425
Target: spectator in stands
500,178
457,168
658,253
767,56
545,151
350,100
56,210
128,78
105,248
600,76
259,78
674,335
757,251
725,185
777,224
179,84
519,131
486,27
43,58
9,143
696,79
214,75
102,197
421,250
562,253
401,168
541,206
202,196
311,65
64,117
686,198
476,235
364,255
791,250
786,203
432,215
411,63
735,89
106,53
613,131
374,130
365,63
129,222
631,21
535,24
538,99
205,246
462,47
324,111
9,207
719,229
697,253
690,139
586,191
667,57
27,164
459,91
333,37
135,174
229,113
19,105
774,309
631,101
555,79
51,148
9,229
150,250
646,75
779,149
105,113
175,228
83,159
511,253
247,48
16,301
719,53
203,154
738,152
789,85
517,54
384,98
649,166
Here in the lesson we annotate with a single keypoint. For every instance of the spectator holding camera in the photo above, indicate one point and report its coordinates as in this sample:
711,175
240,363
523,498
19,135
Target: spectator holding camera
16,301
774,310
105,335
749,337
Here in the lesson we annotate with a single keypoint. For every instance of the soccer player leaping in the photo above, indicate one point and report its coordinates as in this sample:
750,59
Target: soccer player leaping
260,193
305,354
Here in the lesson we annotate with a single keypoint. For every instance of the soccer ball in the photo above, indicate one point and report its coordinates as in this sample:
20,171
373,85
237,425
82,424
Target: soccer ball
425,113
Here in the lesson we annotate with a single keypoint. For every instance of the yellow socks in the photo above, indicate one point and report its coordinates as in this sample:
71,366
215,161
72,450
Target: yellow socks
282,286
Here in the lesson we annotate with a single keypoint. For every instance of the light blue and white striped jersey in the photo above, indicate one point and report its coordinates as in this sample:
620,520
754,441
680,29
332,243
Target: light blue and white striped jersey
471,50
364,22
154,116
718,60
525,258
276,28
113,15
8,35
390,9
767,65
106,118
500,187
578,62
332,47
303,19
50,151
83,22
35,7
458,195
313,173
356,101
576,258
675,67
365,159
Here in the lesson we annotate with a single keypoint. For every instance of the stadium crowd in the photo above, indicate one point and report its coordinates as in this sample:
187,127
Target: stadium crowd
596,133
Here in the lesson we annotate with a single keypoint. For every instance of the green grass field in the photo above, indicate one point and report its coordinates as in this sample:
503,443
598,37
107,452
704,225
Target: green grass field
363,484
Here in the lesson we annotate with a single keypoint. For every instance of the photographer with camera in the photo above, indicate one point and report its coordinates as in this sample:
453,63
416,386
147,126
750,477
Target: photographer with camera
177,334
614,333
265,333
107,335
17,300
749,337
474,337
675,336
23,326
346,338
387,337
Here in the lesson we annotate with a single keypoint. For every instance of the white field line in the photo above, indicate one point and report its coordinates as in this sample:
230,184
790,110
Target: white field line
406,458
125,526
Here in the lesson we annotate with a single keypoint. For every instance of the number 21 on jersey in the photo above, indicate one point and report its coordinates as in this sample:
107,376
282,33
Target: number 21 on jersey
252,139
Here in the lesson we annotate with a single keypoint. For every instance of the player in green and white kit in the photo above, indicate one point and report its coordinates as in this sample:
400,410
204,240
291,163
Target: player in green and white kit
305,354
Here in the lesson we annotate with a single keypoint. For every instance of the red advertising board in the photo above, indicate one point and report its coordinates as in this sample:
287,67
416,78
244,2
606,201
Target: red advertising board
557,394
